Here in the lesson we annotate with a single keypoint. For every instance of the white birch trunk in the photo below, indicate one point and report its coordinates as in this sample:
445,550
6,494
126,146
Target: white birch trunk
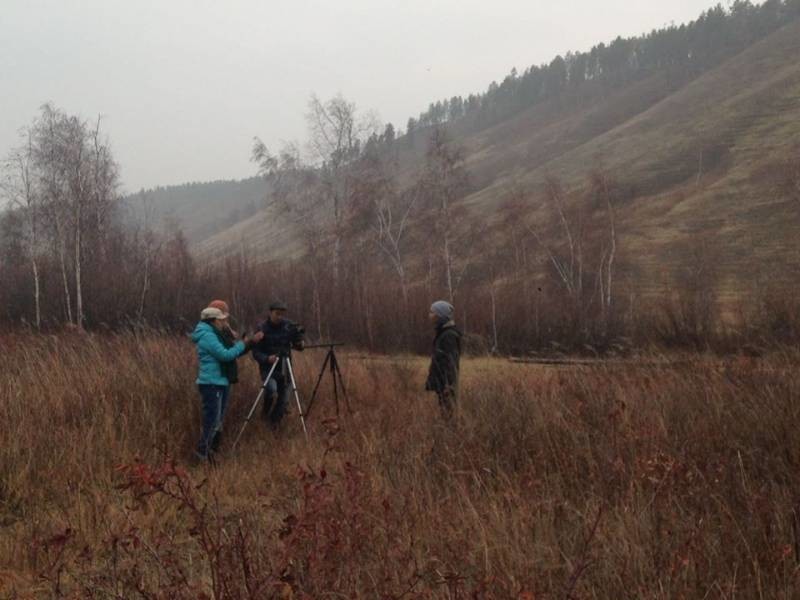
77,266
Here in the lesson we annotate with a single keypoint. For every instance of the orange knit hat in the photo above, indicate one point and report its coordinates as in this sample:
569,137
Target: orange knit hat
221,305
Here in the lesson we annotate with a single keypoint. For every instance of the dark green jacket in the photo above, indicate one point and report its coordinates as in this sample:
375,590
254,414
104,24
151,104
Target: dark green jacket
445,359
230,370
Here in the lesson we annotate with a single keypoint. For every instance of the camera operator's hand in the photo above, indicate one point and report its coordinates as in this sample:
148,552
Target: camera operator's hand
272,359
249,341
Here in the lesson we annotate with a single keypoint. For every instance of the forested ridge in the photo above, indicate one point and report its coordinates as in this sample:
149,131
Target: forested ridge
683,51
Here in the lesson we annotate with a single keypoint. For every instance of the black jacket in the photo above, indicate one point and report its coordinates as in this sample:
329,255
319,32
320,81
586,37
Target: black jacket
229,369
277,340
443,372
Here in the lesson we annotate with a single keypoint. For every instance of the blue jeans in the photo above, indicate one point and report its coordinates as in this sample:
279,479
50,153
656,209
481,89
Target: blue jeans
215,402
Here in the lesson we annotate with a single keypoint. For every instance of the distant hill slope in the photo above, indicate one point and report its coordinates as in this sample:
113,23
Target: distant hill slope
698,160
267,235
204,209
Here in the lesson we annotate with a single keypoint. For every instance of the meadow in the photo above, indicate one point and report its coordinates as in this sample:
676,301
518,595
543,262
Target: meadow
661,477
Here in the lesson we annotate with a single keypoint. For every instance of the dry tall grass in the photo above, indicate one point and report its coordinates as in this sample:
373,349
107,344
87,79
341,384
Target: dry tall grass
634,481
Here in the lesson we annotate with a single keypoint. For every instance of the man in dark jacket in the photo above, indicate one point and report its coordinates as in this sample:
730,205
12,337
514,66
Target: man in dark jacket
443,372
280,337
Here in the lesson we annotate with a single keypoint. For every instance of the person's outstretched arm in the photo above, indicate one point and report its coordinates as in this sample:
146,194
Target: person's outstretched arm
212,345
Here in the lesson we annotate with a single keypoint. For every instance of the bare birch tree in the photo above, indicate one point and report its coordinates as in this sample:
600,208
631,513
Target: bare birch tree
567,264
47,133
384,213
104,183
19,186
574,237
601,190
515,214
77,177
92,182
337,133
77,166
294,189
443,181
150,248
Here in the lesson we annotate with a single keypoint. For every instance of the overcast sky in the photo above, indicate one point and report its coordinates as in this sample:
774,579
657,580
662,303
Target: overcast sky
184,85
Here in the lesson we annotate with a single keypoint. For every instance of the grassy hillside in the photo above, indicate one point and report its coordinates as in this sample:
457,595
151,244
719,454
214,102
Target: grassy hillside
266,235
697,162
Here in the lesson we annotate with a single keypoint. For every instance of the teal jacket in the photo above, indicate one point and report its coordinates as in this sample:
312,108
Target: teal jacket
211,353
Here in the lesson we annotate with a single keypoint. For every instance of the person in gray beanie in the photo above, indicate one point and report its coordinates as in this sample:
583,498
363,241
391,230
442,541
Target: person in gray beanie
445,359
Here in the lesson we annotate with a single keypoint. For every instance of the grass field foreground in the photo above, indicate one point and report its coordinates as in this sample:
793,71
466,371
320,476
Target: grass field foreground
647,480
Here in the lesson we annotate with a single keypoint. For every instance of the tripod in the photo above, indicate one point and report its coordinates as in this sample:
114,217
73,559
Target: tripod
280,360
332,364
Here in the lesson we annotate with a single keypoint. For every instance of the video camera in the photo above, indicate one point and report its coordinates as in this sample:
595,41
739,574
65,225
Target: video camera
297,333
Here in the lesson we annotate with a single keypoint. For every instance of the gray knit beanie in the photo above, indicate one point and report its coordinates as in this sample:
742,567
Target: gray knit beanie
443,310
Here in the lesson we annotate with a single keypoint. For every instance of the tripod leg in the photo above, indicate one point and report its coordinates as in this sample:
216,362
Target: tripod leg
249,416
255,404
338,372
297,397
316,386
333,379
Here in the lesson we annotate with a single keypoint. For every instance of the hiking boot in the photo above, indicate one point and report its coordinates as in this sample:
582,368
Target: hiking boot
269,403
216,441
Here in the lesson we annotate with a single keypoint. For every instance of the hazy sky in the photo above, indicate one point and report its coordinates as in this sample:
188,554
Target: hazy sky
184,85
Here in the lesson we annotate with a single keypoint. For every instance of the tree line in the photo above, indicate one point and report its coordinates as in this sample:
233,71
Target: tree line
681,52
379,244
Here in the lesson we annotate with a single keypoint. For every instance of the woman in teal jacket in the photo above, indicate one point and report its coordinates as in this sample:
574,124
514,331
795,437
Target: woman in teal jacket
211,379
